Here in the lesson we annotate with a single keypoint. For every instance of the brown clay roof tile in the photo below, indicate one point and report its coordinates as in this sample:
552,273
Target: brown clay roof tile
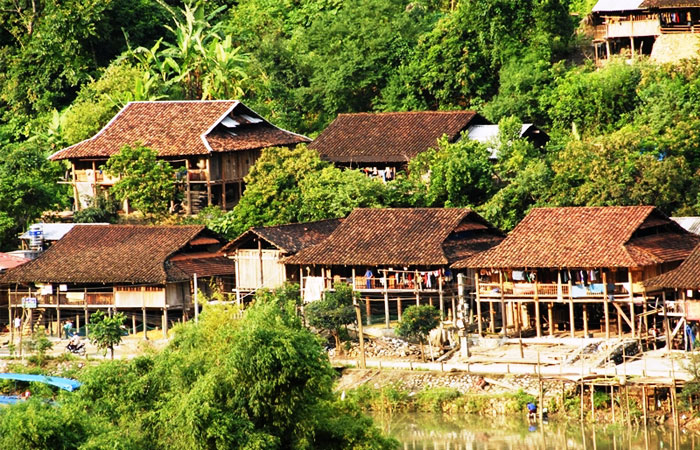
389,137
178,128
289,238
110,254
685,276
401,236
588,237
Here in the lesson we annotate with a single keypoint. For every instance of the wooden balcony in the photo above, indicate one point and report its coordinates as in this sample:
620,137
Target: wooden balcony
627,28
555,292
78,299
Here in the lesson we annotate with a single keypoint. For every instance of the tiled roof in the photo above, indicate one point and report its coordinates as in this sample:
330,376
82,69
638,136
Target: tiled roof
203,265
588,237
669,3
685,276
389,137
400,236
177,128
109,254
289,238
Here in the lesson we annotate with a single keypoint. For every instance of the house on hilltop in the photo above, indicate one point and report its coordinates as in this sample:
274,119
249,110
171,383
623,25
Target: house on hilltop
257,254
212,144
664,29
395,255
384,143
587,263
143,271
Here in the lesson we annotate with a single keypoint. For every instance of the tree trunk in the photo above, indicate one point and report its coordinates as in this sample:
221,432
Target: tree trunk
422,353
338,350
111,352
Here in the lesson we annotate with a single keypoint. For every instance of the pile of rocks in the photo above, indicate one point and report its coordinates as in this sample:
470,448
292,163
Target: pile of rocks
387,348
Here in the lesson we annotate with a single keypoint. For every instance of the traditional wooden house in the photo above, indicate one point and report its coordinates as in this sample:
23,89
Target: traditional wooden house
590,261
143,271
680,293
211,144
258,253
395,255
637,26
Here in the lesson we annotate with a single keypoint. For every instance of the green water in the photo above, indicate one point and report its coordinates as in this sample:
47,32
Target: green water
424,431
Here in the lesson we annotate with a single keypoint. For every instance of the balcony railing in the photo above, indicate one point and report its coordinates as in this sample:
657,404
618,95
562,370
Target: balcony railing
66,298
553,290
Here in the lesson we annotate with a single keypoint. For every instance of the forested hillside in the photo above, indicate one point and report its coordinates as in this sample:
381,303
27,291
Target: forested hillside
623,134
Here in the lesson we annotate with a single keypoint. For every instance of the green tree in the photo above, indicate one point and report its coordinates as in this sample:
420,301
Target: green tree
336,192
28,186
201,61
416,322
105,331
146,182
333,312
453,175
273,193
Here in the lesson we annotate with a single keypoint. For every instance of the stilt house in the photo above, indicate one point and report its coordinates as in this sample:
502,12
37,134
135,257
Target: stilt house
143,271
211,144
258,253
395,255
580,268
680,293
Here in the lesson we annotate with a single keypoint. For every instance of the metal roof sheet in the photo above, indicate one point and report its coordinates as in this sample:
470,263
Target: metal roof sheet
616,5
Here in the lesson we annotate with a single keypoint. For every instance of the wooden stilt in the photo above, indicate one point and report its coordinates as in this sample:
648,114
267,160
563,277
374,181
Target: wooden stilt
571,317
479,323
538,323
504,320
398,307
606,306
632,324
368,309
386,302
550,317
619,323
492,318
585,320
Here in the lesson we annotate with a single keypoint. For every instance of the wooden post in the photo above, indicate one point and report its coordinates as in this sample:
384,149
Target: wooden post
479,324
442,300
644,403
540,410
572,326
585,320
667,331
9,311
398,307
360,331
133,324
606,305
538,323
632,319
504,320
58,311
222,166
261,279
143,312
550,317
492,318
208,181
387,320
188,188
165,322
76,195
619,323
415,287
86,311
368,309
592,403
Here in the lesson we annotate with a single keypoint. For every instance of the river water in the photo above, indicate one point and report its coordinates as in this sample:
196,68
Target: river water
425,431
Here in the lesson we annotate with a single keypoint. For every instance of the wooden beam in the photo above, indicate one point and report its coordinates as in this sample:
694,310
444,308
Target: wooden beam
550,317
622,314
479,324
538,324
504,319
606,305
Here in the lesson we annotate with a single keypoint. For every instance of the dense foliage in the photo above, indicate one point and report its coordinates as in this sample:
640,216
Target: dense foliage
622,134
262,382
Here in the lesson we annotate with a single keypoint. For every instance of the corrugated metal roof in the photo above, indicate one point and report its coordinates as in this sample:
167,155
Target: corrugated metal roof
616,5
691,224
55,231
